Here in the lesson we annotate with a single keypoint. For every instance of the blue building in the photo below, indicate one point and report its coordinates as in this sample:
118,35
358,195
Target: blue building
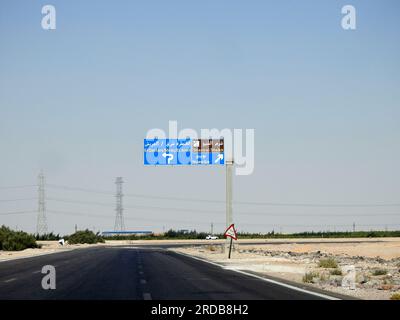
126,233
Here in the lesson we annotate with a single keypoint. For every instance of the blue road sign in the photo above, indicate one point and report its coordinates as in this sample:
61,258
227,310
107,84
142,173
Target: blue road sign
183,152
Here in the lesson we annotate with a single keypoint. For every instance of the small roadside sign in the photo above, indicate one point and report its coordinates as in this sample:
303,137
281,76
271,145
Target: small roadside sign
231,233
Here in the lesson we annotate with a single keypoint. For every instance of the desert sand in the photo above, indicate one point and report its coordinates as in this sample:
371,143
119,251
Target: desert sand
294,258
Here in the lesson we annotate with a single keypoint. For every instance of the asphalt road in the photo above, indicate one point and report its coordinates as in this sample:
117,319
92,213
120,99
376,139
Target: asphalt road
133,273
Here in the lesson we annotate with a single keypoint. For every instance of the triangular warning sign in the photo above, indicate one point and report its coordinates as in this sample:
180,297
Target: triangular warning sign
231,232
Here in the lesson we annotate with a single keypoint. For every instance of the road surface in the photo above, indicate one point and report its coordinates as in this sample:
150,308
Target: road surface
133,273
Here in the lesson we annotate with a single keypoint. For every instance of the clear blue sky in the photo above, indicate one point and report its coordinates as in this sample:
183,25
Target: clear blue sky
77,102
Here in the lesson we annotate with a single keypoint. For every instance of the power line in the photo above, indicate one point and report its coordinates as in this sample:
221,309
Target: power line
213,211
173,198
255,203
250,213
13,200
81,202
213,201
125,218
18,187
131,207
319,225
218,223
132,195
42,207
16,212
79,189
221,211
205,222
319,205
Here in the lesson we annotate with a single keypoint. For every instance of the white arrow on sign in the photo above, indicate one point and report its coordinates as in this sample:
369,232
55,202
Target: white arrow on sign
169,157
219,158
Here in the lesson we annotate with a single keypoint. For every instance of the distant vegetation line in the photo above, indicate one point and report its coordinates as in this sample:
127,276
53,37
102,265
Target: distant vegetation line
327,234
181,235
11,240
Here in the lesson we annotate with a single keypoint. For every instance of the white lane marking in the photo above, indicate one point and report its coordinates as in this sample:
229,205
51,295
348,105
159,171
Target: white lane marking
321,295
147,296
36,271
10,280
141,272
142,281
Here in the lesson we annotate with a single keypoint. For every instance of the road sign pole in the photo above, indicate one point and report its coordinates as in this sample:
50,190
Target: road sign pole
230,249
229,215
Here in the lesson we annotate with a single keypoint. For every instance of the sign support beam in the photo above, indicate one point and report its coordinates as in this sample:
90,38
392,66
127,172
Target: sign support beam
230,248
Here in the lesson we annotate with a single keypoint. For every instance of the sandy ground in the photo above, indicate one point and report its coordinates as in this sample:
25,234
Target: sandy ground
387,248
293,260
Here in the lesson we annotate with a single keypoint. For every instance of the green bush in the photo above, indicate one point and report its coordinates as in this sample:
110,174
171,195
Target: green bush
328,263
169,235
15,240
379,272
395,296
336,272
181,234
309,277
47,236
85,236
327,234
193,234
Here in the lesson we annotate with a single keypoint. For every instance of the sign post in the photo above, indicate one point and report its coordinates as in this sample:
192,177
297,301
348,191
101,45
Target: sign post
230,233
228,200
230,249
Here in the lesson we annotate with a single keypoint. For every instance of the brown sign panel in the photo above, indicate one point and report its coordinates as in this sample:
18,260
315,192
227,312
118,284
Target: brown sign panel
208,145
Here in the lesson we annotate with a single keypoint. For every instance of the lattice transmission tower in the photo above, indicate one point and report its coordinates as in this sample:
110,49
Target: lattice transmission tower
119,217
41,224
